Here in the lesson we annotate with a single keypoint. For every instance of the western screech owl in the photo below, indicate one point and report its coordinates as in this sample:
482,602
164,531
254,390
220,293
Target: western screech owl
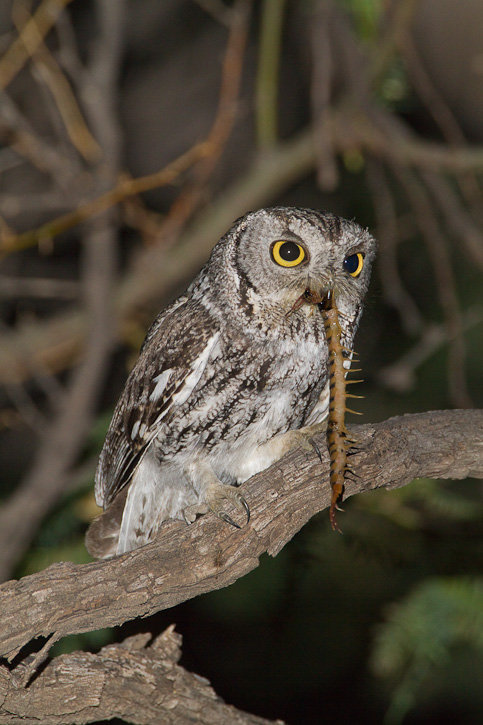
228,379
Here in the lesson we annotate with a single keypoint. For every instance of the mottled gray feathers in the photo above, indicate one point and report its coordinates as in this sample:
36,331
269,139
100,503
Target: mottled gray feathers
226,374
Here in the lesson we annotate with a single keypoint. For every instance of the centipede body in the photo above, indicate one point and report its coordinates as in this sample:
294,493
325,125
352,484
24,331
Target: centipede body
336,430
338,441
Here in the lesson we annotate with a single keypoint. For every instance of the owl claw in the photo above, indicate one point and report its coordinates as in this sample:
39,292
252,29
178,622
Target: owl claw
240,502
216,496
225,517
316,448
246,507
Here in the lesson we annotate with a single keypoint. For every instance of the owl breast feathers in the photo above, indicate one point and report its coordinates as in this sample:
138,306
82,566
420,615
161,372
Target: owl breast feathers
230,376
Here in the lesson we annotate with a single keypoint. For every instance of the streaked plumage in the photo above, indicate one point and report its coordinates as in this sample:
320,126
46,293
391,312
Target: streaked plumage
226,375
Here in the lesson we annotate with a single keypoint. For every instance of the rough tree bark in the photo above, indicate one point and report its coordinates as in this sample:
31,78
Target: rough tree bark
184,562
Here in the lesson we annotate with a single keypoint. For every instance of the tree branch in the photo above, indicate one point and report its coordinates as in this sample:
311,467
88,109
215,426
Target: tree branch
31,36
55,343
186,561
66,434
145,684
136,680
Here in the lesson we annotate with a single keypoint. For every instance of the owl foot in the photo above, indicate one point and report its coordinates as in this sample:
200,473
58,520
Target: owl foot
216,496
303,438
212,494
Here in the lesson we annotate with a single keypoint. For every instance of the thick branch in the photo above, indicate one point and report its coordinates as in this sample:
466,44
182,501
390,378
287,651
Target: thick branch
137,681
186,561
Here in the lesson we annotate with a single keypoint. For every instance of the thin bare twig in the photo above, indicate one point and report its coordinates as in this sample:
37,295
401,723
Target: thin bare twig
189,199
457,217
32,34
207,152
60,89
267,79
16,129
64,437
388,237
445,284
125,188
401,375
439,109
321,88
28,411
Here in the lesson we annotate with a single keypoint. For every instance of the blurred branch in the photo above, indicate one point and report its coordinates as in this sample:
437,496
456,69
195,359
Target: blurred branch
64,437
445,283
457,217
388,234
56,342
61,91
31,36
16,129
185,561
217,9
206,152
125,188
40,287
387,46
401,375
348,127
438,108
267,79
231,75
320,95
351,126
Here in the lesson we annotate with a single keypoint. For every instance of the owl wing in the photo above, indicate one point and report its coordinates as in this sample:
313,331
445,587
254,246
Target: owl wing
171,363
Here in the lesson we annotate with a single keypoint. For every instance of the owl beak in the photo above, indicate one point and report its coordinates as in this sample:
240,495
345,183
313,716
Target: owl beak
309,297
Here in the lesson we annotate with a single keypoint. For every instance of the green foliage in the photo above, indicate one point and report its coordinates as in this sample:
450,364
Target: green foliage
421,633
366,15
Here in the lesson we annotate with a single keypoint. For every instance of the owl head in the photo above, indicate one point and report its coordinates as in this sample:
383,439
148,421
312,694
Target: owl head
269,257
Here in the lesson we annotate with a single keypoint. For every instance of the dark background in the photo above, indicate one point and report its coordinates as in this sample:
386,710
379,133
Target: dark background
386,620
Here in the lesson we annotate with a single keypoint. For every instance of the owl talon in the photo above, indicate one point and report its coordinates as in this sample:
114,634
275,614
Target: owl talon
316,448
216,496
246,507
225,517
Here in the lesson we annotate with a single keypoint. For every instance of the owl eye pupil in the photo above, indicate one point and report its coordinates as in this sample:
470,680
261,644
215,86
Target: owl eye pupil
289,251
353,264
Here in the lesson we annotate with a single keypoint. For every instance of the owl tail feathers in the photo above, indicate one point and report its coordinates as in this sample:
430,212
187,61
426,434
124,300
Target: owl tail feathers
103,534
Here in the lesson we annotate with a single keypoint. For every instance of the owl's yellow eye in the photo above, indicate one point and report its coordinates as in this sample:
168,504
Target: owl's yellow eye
353,264
287,254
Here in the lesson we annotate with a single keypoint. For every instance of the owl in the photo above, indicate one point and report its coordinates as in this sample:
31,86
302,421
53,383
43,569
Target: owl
231,375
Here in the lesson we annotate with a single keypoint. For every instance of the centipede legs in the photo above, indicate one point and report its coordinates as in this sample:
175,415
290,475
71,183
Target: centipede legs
338,441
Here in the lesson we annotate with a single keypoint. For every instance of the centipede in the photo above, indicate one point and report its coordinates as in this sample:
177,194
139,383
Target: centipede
338,440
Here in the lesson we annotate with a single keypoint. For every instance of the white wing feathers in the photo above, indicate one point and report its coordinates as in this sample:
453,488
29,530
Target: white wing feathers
151,394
